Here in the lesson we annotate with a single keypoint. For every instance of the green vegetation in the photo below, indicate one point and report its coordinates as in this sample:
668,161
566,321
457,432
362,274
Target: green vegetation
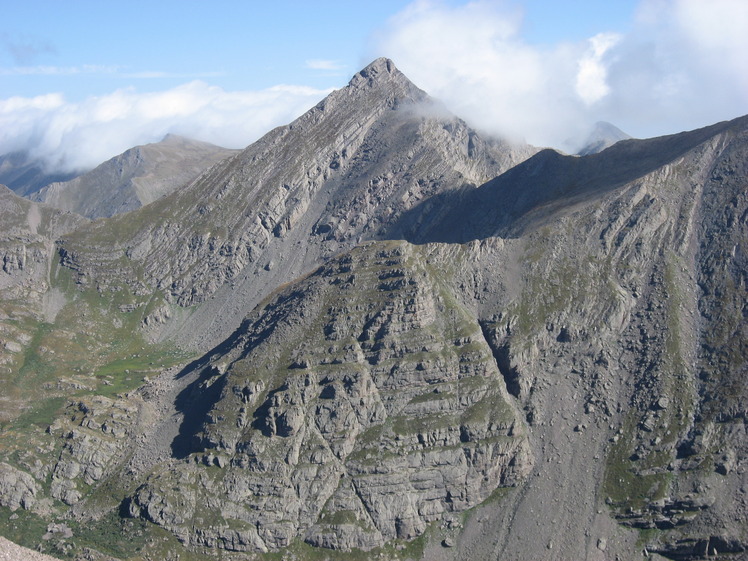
22,527
396,550
120,537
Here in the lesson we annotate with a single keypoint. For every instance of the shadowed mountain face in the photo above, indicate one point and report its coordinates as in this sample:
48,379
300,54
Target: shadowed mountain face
546,185
408,342
135,178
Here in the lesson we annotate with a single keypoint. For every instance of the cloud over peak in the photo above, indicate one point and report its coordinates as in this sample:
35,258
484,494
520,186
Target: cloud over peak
681,65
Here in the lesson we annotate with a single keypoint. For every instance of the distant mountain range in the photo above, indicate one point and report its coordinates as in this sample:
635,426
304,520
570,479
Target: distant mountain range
135,178
377,334
145,173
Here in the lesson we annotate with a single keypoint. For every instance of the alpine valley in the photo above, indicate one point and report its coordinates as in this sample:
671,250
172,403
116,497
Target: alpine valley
377,333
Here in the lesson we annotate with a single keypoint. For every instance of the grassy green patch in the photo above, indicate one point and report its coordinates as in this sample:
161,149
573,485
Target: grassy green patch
40,414
22,527
396,550
120,537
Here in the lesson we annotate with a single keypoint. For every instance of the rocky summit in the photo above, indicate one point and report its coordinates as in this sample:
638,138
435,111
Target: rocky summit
376,333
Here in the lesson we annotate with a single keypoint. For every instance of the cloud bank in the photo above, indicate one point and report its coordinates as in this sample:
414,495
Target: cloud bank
681,65
70,136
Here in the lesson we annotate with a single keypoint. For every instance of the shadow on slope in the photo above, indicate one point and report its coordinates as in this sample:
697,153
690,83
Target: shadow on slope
197,399
544,185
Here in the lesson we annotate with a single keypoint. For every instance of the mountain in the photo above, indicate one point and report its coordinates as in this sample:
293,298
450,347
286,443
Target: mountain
338,175
374,334
602,136
25,176
134,178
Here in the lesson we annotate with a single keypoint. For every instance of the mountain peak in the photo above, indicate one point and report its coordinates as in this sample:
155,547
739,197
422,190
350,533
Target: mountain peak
378,68
171,138
602,136
382,72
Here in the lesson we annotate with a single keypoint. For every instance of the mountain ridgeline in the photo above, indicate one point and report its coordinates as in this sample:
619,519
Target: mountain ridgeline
376,333
135,178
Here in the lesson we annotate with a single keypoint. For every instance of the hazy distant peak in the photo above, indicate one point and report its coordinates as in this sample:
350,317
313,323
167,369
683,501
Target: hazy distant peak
606,129
171,138
602,136
25,175
134,178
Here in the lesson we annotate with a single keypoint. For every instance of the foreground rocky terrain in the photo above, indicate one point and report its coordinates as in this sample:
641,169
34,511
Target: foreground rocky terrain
376,334
12,552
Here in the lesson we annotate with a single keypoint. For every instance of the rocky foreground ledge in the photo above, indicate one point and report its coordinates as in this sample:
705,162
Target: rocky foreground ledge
12,552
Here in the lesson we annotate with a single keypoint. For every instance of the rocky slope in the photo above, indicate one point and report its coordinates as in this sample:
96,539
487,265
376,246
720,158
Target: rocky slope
135,178
356,407
549,365
611,345
27,292
12,552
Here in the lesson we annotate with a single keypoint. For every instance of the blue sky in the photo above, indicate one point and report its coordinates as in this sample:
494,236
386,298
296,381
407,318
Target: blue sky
81,81
84,48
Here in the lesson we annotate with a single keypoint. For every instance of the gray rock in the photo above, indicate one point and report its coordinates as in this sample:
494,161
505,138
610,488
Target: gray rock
18,489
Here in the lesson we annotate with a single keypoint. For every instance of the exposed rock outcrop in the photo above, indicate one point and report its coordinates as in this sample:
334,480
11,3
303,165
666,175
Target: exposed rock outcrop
549,365
354,408
17,488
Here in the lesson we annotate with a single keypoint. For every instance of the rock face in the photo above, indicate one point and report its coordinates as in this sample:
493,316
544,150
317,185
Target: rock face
95,432
355,408
27,295
135,178
17,488
545,363
27,241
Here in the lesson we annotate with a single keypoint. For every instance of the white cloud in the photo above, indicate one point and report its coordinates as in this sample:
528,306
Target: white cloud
591,81
322,64
81,135
681,65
